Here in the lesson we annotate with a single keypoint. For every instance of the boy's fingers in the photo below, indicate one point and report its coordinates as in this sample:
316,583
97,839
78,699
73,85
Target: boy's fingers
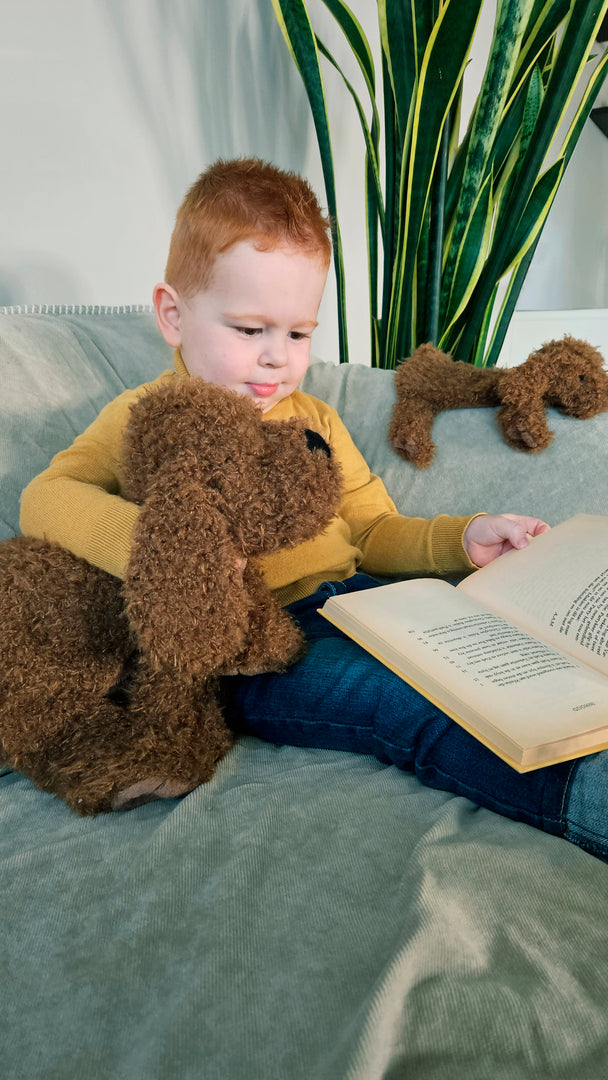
512,527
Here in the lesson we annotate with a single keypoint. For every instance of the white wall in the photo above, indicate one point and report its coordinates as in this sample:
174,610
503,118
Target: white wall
112,107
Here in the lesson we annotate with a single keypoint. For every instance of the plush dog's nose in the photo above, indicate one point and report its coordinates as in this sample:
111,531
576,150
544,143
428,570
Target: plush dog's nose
314,441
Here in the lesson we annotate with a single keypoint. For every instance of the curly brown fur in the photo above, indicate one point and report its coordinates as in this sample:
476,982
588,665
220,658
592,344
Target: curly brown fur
108,691
426,384
568,375
228,489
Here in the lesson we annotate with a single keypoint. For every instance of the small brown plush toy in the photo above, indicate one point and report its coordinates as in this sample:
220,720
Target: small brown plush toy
108,690
568,374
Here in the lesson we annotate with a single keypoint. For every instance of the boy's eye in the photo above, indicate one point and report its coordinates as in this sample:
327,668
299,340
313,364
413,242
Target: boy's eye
248,331
298,335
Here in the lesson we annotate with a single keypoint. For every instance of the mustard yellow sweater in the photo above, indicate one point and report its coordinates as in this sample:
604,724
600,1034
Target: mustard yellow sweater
77,503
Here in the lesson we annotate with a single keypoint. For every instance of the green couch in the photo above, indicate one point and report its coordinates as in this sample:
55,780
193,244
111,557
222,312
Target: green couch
307,915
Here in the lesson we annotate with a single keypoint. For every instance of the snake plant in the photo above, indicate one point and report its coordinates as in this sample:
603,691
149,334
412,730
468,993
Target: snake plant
452,220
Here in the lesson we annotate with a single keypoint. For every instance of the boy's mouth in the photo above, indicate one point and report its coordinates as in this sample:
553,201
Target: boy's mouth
263,389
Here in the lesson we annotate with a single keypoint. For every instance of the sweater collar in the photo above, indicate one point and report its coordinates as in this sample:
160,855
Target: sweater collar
178,363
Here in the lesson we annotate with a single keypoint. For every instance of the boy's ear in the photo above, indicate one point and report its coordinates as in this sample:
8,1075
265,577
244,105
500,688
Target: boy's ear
166,305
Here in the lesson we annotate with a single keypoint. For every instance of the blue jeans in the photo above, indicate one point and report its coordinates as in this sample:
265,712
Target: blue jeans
339,697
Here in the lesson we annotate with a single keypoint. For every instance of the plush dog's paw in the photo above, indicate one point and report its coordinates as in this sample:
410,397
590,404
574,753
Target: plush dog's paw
272,648
410,434
523,433
273,639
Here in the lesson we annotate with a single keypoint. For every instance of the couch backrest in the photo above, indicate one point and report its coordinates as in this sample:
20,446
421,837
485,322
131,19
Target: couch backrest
473,469
59,366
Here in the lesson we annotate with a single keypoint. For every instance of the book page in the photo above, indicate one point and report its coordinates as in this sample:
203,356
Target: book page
557,587
512,690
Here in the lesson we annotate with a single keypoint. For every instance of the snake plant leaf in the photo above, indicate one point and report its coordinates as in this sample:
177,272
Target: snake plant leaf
357,40
544,23
462,213
428,278
478,358
520,270
373,195
300,37
508,33
398,42
442,68
585,106
370,142
359,44
508,142
392,169
569,62
472,252
534,215
373,264
374,199
513,249
531,108
581,26
491,352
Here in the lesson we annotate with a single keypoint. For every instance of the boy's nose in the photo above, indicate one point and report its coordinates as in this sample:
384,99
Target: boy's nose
274,353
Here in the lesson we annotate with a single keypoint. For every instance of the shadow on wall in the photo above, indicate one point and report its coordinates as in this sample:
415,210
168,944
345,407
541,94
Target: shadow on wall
31,278
212,78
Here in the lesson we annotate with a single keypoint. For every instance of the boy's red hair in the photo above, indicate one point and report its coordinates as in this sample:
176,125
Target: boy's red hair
244,199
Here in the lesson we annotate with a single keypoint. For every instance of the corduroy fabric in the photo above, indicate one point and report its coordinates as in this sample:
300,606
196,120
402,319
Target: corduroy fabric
305,914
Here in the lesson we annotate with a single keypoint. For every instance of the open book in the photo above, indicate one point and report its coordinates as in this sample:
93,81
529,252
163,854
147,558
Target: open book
517,653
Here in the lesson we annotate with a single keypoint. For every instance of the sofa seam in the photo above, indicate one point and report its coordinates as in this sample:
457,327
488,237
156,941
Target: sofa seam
76,309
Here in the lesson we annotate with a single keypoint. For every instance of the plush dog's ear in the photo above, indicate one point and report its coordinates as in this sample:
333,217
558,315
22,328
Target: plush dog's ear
184,591
185,414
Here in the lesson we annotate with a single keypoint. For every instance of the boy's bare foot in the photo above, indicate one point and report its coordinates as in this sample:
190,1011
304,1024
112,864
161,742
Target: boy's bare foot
146,790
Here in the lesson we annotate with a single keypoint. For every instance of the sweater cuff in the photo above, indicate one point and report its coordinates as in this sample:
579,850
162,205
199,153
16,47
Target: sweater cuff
447,540
110,545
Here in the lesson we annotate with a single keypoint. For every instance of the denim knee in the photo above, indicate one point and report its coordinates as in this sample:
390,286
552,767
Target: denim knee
586,809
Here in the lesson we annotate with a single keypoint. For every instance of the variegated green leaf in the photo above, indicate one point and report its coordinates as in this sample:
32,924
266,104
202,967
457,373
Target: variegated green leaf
297,30
544,23
472,253
531,109
370,146
579,32
508,32
357,40
443,64
534,215
585,106
470,210
520,270
398,43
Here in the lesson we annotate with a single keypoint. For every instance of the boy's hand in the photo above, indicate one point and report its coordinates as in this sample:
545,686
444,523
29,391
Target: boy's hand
490,535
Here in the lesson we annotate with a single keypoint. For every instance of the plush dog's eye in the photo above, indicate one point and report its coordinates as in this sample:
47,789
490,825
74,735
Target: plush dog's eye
581,378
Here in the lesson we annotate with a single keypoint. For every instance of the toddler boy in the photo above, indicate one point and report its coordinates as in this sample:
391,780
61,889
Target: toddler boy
247,265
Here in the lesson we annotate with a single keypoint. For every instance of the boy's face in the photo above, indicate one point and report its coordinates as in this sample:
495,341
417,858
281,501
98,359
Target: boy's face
250,329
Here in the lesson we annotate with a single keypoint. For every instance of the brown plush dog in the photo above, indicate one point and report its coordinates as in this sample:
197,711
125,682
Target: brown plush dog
108,690
568,375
